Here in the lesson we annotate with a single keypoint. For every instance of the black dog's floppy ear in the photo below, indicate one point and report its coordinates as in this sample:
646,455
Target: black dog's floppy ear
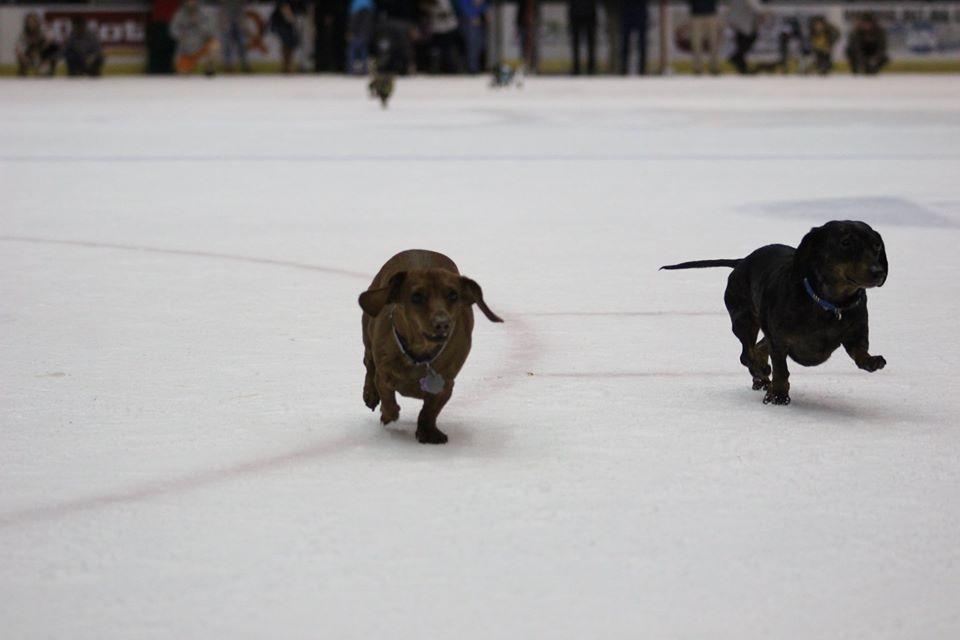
883,259
473,294
807,248
373,301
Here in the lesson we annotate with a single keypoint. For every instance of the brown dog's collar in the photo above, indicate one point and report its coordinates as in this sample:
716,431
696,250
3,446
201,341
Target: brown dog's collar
405,350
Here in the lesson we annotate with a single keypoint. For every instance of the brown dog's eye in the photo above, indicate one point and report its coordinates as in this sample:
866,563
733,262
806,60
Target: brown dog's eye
453,296
418,298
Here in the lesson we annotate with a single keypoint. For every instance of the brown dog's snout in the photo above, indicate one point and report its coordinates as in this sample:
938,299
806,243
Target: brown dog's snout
441,324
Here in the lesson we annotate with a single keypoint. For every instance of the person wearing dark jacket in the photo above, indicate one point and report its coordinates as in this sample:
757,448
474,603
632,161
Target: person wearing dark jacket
704,25
633,17
82,50
35,50
823,36
867,46
582,16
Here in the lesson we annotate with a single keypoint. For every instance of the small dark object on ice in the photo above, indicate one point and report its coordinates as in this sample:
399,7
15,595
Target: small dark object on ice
505,74
381,86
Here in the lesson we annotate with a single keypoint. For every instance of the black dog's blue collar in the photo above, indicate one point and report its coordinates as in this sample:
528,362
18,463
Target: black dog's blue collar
829,306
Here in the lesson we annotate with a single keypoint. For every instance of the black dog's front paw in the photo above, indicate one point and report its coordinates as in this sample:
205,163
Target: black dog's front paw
431,436
773,397
873,363
760,383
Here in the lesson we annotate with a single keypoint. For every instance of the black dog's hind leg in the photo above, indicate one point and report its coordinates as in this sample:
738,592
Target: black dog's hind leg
753,355
779,390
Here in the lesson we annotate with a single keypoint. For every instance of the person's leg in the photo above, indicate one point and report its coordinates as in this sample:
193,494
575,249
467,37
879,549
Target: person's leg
228,45
713,41
575,38
736,58
95,66
642,26
75,65
240,40
626,28
696,42
207,55
592,47
48,59
853,58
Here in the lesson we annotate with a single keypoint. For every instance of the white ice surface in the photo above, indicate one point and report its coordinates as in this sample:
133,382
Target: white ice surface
184,452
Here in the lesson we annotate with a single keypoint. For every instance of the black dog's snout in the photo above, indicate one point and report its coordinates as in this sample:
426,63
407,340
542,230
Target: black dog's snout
878,273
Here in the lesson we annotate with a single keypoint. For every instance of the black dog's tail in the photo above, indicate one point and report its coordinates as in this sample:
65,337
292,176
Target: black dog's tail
702,264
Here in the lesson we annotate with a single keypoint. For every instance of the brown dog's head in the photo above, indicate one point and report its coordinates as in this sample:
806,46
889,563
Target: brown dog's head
429,303
845,254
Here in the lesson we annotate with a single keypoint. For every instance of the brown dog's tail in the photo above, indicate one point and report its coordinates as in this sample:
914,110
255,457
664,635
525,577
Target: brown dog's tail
701,264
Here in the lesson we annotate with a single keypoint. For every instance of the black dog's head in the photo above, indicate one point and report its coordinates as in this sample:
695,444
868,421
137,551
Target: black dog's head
843,254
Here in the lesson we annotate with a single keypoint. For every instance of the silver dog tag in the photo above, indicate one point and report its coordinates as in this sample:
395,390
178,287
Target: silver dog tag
432,383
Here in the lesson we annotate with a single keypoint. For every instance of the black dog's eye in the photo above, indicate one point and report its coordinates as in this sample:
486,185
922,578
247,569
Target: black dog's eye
418,298
846,242
453,296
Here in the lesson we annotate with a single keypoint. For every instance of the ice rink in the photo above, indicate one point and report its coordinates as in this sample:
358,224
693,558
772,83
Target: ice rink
185,452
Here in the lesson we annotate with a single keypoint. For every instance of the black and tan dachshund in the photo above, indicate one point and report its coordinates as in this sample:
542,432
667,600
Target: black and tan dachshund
807,301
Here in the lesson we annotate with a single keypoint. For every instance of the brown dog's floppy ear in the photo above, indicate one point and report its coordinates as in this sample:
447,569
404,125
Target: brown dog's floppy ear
374,300
473,294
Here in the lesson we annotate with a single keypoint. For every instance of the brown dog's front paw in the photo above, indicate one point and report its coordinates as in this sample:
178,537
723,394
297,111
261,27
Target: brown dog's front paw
431,436
774,397
873,363
389,414
370,397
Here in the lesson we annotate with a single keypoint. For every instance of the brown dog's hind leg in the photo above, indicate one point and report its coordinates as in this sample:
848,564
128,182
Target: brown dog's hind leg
389,409
779,390
427,432
371,397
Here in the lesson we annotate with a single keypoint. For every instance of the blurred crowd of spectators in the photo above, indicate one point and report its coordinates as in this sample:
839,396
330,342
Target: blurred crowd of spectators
444,36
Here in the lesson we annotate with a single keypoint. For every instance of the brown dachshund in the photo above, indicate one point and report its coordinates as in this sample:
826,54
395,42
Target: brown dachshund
808,301
417,325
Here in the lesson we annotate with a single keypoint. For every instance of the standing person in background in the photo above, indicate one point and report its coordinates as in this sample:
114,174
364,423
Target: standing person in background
633,17
443,27
473,29
744,16
234,39
196,40
330,25
704,24
823,36
582,16
283,22
358,36
82,49
35,50
611,9
528,24
867,46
